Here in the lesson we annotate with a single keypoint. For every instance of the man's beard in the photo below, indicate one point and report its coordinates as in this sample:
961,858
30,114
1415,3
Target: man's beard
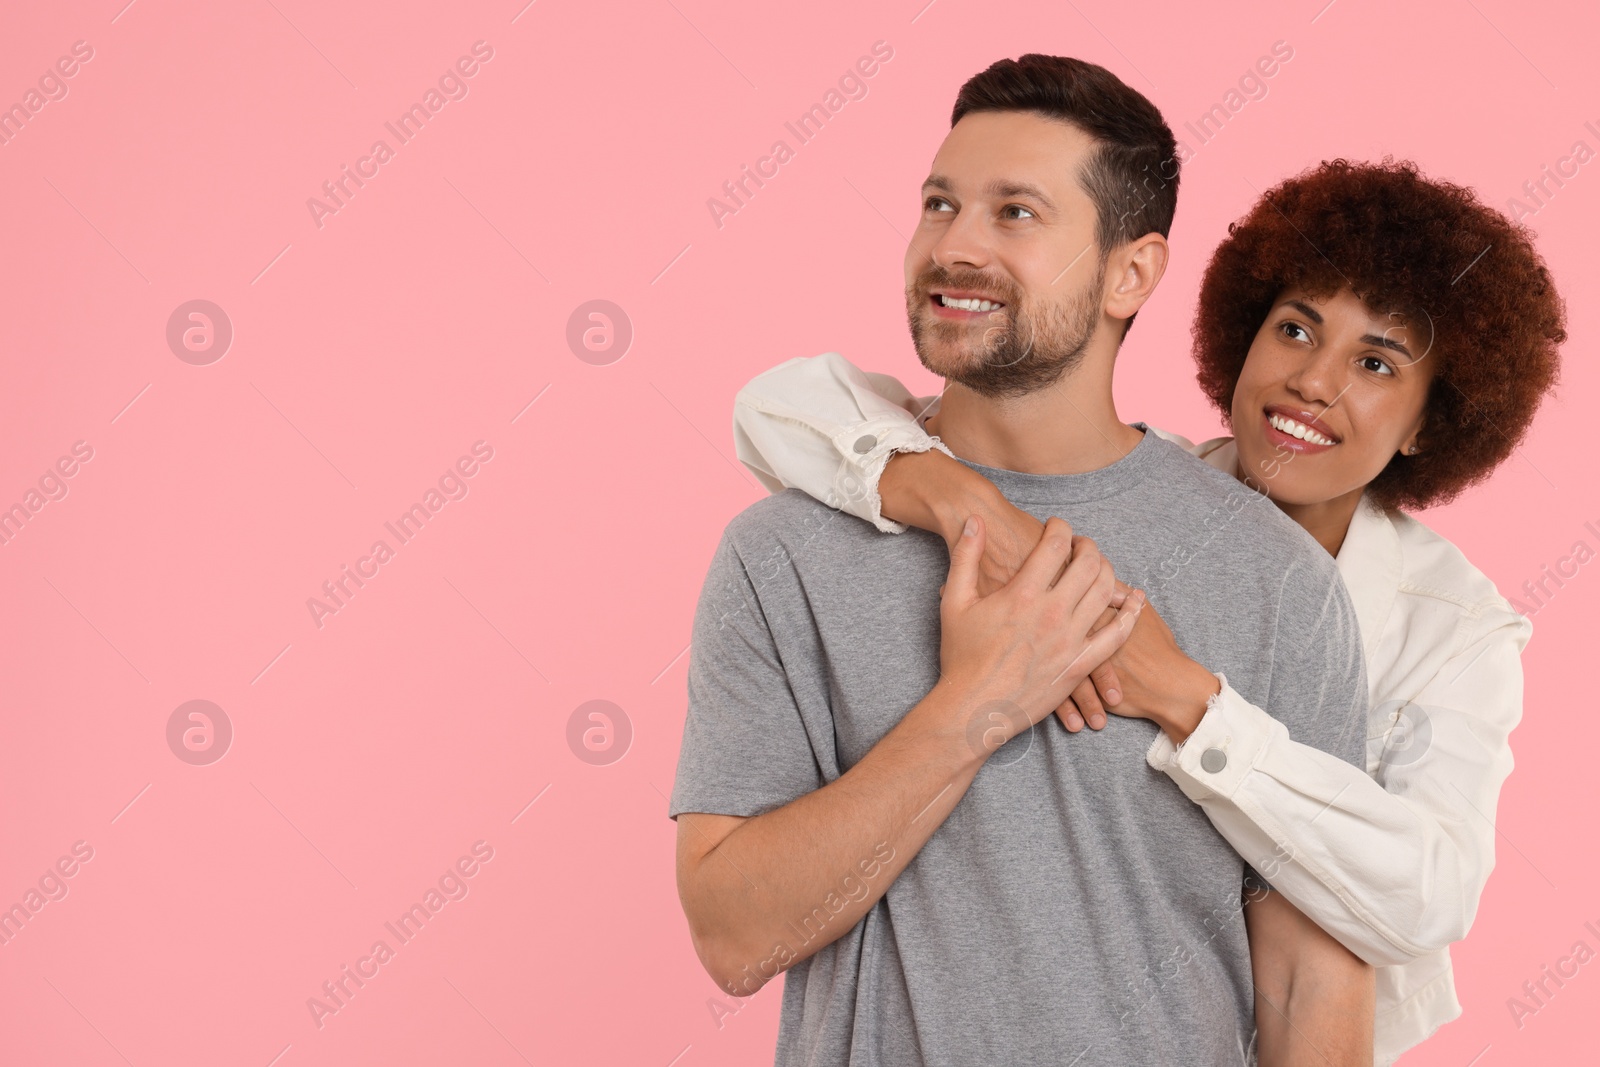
1023,349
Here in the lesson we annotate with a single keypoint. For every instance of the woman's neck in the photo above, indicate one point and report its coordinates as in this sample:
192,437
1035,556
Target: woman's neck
1328,521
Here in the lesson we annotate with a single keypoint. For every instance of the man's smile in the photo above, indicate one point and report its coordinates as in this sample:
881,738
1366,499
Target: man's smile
962,304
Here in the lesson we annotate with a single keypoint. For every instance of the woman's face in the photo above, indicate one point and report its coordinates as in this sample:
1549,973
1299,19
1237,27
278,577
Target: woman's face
1330,391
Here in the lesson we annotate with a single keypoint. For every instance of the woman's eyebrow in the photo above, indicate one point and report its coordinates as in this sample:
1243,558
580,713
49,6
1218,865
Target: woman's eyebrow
1369,339
1385,342
1305,309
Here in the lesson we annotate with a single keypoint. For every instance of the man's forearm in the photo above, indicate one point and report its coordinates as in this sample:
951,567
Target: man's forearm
1322,1025
786,883
1314,997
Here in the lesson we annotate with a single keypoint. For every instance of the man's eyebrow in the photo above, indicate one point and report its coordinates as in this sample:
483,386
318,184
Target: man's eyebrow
1368,339
999,188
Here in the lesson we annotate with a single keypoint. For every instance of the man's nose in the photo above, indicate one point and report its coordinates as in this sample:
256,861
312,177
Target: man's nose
965,242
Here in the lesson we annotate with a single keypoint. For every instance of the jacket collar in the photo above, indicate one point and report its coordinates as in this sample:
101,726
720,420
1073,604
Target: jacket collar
1369,561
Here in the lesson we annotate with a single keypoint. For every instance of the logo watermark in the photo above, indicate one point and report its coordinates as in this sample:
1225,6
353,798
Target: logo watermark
599,732
199,332
52,86
1554,577
199,732
51,886
1552,179
452,85
599,332
452,885
452,485
1537,992
52,486
852,85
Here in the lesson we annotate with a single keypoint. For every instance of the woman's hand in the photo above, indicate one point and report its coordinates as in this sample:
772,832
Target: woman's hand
1155,681
933,492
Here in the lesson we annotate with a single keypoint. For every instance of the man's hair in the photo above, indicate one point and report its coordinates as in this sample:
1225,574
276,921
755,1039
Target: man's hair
1132,177
1463,276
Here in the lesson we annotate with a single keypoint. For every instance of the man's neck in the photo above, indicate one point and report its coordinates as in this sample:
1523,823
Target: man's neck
1070,427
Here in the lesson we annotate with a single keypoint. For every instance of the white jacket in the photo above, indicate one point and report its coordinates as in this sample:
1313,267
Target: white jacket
1391,862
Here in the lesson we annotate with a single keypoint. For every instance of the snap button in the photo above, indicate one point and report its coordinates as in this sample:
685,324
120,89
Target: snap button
865,444
1213,760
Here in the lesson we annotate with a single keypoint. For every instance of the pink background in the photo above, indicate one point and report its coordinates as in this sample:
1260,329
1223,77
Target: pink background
372,351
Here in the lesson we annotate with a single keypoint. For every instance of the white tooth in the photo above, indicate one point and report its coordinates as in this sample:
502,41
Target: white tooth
1299,430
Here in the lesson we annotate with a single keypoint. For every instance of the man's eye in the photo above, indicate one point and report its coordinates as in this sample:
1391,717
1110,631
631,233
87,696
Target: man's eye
1017,207
1376,365
933,202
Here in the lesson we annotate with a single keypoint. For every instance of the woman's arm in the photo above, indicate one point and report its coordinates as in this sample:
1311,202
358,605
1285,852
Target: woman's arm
851,439
1394,867
824,426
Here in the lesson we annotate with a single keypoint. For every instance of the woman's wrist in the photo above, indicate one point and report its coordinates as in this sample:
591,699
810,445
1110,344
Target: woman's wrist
1184,704
933,492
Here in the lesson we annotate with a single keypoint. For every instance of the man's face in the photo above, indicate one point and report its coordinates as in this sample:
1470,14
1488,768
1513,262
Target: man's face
1004,221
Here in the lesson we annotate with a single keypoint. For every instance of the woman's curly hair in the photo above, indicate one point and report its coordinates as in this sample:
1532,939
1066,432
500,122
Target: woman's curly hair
1426,249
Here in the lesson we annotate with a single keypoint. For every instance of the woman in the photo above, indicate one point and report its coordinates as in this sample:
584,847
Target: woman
1376,341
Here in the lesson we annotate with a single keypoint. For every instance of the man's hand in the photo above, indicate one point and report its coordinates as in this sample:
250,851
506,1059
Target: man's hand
748,883
1010,534
1157,681
1022,649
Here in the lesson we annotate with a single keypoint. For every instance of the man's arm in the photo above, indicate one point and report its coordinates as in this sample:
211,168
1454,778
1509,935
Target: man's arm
1314,997
764,892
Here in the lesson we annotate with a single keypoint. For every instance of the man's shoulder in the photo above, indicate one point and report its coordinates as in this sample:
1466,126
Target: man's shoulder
787,512
1248,524
794,524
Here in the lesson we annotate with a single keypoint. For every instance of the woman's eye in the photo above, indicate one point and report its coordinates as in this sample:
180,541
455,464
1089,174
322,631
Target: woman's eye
1295,331
1376,365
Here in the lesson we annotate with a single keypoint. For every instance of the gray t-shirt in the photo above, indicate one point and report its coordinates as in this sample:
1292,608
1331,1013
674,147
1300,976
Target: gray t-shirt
1075,907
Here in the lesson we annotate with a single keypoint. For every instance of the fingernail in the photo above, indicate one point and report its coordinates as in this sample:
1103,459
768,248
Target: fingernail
1075,721
971,527
1114,695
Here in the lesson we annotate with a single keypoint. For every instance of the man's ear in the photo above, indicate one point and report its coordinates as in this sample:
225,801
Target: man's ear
1132,273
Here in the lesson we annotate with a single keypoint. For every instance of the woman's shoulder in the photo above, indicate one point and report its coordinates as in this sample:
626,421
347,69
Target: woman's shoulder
1432,565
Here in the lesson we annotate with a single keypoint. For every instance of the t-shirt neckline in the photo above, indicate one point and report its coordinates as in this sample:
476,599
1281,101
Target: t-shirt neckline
1020,487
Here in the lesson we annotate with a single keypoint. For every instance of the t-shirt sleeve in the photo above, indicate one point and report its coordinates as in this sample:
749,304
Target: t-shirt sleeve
1319,690
745,749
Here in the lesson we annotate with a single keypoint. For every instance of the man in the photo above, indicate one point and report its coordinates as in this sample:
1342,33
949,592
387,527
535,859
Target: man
869,795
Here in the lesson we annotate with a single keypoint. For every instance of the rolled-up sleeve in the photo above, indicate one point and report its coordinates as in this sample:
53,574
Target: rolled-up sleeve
822,425
1392,866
